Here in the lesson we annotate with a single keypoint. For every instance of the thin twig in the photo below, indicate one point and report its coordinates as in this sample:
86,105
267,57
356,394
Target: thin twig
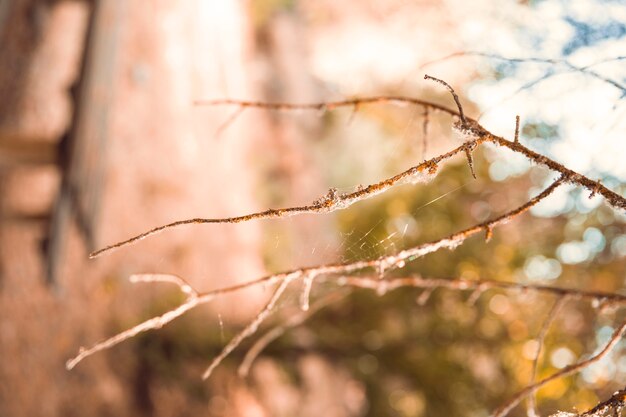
554,311
184,286
249,330
344,273
484,136
328,203
568,370
584,70
328,105
457,284
278,331
425,124
516,139
454,95
614,199
153,323
307,283
380,264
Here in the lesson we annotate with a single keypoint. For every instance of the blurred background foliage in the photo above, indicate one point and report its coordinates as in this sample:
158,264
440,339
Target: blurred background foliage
406,353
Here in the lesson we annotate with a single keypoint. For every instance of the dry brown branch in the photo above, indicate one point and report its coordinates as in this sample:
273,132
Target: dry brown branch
614,199
193,300
567,371
372,273
476,286
553,62
454,95
328,203
473,128
367,282
333,201
380,264
355,103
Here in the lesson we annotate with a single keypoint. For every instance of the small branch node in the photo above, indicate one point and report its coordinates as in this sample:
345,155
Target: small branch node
595,190
469,147
431,167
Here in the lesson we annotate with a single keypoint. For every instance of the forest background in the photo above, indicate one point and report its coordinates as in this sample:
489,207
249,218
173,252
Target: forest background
103,135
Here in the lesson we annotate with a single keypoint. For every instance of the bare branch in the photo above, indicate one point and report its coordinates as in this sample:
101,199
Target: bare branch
355,103
379,264
249,330
328,203
476,286
355,274
307,283
153,323
184,286
479,131
571,67
454,95
278,331
572,177
568,370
